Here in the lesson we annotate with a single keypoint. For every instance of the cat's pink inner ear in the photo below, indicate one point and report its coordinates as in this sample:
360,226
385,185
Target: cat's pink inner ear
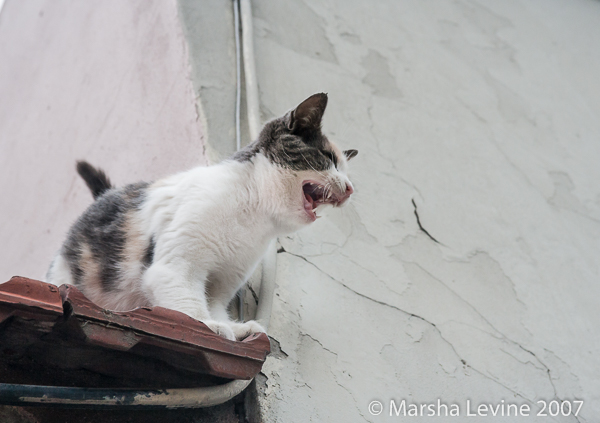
350,154
308,115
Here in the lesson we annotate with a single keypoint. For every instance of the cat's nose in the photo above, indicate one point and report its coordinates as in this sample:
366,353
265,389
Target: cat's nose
349,190
347,194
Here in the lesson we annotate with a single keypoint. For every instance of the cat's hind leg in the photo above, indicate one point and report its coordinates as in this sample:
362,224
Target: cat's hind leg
59,272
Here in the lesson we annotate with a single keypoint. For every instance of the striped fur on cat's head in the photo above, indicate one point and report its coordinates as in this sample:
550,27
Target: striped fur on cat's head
312,171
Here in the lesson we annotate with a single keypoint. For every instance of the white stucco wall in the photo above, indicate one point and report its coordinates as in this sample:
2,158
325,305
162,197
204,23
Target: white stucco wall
105,81
487,115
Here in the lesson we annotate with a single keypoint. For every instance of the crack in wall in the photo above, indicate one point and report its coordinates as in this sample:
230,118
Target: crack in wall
440,334
383,282
318,342
356,403
502,335
406,313
421,226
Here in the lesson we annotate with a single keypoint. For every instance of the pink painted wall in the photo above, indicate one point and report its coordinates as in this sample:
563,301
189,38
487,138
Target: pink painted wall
105,81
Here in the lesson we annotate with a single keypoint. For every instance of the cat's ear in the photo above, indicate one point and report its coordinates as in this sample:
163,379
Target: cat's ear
350,154
307,116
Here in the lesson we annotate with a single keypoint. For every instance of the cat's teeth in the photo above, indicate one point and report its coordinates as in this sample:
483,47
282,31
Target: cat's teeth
328,196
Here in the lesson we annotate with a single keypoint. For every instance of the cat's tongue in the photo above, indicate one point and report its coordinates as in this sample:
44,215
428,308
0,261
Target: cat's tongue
309,205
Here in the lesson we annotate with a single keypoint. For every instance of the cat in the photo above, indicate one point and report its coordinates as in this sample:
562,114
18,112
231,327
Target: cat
189,242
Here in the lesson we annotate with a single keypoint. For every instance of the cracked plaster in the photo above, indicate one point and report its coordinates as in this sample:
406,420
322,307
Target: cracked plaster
480,118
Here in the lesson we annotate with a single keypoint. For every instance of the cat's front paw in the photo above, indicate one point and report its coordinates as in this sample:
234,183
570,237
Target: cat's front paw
243,330
221,329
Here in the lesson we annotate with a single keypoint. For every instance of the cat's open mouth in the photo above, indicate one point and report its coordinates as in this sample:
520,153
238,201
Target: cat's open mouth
316,194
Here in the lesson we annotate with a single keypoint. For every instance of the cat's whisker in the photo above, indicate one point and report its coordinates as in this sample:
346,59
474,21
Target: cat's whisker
311,166
327,192
287,155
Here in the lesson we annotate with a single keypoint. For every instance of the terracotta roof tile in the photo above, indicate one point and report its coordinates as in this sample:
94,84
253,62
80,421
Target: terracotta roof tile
63,333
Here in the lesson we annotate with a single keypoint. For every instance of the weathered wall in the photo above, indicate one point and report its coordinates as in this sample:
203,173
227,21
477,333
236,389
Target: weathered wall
103,81
486,114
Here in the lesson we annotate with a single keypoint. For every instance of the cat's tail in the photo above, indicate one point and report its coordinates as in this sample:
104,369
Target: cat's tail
95,179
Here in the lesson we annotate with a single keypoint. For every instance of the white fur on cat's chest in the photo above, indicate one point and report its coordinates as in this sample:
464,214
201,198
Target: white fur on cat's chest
209,219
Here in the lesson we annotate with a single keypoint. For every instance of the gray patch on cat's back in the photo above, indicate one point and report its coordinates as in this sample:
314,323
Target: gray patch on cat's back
379,76
283,20
149,253
103,229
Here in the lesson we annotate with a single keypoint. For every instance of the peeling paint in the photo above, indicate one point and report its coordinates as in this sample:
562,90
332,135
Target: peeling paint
469,124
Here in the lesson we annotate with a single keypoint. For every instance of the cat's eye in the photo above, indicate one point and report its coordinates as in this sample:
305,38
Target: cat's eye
330,156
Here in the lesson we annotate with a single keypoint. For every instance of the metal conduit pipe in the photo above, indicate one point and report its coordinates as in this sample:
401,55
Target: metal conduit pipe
250,69
58,396
99,398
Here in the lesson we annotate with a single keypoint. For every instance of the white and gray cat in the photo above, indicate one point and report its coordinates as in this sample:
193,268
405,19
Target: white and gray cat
190,241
